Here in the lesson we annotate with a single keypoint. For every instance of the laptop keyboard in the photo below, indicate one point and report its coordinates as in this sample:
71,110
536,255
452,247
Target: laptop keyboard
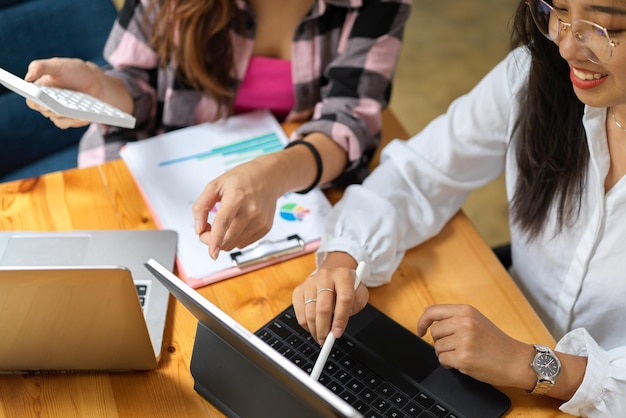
375,391
143,291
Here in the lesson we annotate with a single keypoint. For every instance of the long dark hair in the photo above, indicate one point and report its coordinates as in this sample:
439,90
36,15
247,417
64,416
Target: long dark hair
551,145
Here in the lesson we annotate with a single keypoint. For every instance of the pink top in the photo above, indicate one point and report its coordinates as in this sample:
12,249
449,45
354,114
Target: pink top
266,85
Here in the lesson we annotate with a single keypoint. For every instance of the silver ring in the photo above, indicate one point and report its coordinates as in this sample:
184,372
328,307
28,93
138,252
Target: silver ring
325,289
306,302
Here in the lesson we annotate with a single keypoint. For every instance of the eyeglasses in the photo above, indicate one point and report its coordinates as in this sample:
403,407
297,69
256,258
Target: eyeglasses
593,38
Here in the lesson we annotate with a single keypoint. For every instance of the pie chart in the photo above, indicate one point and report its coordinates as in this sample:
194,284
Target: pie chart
293,212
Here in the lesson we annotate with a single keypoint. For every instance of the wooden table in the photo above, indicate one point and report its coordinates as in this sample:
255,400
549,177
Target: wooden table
455,267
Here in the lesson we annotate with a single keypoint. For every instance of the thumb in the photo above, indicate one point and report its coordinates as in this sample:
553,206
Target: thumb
36,69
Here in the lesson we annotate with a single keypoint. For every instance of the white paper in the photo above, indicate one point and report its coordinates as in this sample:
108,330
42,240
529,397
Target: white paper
172,170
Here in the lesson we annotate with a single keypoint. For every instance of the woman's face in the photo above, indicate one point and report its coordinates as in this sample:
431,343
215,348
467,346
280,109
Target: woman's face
601,83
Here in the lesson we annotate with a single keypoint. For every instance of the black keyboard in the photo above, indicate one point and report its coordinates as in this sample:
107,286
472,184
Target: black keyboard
375,391
142,292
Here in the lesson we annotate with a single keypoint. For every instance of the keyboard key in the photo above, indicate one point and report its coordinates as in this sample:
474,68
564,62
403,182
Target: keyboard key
372,380
412,409
368,396
298,360
348,396
343,376
142,289
275,344
294,340
355,386
280,330
399,399
361,406
334,387
438,410
142,292
291,321
307,351
349,364
424,400
324,379
394,413
382,405
286,351
385,390
264,335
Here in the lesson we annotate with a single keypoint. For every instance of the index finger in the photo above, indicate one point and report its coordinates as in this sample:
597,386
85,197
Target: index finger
431,315
344,301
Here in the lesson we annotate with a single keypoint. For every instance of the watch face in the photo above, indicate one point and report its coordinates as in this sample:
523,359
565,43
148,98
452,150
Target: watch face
547,365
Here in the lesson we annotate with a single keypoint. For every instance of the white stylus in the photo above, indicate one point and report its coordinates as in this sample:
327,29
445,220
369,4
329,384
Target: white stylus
330,338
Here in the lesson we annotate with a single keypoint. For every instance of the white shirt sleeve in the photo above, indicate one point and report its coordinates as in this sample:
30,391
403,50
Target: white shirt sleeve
603,390
421,183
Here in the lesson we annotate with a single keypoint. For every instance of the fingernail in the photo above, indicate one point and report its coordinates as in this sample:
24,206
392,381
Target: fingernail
215,253
198,226
337,332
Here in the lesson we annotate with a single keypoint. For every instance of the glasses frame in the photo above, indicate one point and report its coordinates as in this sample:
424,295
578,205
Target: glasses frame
577,35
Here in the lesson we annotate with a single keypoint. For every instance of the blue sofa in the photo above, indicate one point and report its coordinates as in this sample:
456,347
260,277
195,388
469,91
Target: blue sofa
30,145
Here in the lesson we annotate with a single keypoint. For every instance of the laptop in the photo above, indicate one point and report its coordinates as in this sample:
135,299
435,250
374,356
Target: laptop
82,300
377,369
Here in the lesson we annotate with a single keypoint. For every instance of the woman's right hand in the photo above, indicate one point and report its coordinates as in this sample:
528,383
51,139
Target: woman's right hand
76,74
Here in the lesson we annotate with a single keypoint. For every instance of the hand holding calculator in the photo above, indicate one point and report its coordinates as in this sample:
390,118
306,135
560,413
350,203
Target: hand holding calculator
68,103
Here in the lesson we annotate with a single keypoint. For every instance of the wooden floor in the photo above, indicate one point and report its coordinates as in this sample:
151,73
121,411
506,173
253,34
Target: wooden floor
449,46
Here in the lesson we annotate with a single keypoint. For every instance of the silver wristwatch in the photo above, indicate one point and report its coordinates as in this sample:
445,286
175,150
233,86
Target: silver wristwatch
547,368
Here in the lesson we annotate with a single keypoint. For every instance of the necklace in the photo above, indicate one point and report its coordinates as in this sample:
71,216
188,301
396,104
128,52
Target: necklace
619,125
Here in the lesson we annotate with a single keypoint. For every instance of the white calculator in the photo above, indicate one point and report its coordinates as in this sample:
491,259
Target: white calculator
68,103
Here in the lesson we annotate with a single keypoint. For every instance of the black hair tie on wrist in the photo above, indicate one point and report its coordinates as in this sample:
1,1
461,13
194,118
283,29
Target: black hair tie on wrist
318,162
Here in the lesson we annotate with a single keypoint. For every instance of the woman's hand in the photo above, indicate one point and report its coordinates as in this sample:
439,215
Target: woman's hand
247,193
469,342
247,197
69,73
76,74
328,297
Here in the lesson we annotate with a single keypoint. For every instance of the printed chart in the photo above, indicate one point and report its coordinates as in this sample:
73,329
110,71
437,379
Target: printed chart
173,169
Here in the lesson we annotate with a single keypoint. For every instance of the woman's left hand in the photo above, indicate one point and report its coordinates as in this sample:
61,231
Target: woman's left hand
469,342
324,302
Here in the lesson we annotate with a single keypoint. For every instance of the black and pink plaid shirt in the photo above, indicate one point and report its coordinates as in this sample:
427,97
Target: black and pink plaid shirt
343,59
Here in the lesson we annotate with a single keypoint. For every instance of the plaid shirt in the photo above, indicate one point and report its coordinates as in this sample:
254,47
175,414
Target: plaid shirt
343,58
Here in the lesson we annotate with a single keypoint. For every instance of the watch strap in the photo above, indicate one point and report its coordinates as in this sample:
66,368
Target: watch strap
542,386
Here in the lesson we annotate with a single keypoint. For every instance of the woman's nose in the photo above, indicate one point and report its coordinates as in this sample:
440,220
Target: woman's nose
569,48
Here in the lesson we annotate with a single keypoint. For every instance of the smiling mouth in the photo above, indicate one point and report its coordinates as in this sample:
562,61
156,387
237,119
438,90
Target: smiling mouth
583,75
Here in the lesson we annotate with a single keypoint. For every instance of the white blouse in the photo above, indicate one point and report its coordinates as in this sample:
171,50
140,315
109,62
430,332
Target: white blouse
575,280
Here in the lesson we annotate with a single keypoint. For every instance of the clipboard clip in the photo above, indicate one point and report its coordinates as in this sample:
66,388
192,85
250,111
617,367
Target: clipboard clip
265,250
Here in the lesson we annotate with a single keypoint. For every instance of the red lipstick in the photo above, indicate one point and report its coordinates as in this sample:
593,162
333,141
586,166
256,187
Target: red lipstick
584,83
